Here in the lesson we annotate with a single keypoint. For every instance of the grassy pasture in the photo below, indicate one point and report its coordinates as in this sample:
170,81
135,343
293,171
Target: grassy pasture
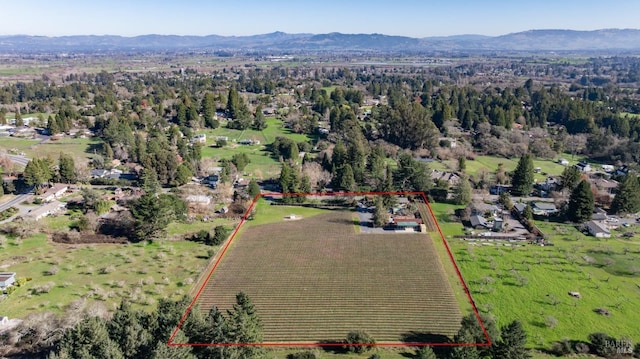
531,283
107,273
78,147
319,279
261,159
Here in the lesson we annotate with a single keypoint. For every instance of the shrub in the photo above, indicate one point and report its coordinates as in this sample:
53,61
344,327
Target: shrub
550,321
359,342
51,271
602,344
107,270
562,348
302,355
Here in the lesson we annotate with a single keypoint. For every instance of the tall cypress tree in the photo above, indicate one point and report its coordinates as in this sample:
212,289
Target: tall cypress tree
512,344
627,198
522,178
581,203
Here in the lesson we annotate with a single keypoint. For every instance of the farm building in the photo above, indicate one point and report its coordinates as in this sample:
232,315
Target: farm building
597,229
7,279
407,223
46,210
54,192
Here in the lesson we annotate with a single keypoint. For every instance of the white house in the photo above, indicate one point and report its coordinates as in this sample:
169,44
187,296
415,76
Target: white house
583,167
54,192
201,138
7,279
597,229
46,210
563,161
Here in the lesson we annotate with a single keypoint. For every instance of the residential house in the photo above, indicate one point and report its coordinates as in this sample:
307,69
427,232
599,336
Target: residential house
549,184
54,192
201,138
622,171
484,209
499,189
606,187
7,279
563,161
478,222
597,229
583,167
450,177
543,208
520,207
608,168
46,210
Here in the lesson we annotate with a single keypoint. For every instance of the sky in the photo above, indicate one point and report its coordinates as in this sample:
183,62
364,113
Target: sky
415,18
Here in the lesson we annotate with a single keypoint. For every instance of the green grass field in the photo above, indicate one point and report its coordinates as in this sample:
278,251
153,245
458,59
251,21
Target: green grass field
262,163
80,148
107,273
531,283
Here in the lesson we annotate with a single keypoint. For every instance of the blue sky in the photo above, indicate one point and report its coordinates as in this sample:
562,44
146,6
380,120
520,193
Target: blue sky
416,18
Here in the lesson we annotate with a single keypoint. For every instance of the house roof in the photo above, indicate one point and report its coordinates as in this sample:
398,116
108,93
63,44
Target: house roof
477,220
4,276
51,206
405,220
596,227
520,207
545,206
55,189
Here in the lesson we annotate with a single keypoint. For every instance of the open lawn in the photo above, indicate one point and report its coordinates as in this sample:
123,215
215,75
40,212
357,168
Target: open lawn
531,283
316,279
107,273
490,164
78,147
262,163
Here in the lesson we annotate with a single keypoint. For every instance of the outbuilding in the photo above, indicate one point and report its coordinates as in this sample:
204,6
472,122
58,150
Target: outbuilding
7,279
597,229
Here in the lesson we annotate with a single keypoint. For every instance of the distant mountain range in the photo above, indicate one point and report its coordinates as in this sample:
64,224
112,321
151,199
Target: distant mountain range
533,40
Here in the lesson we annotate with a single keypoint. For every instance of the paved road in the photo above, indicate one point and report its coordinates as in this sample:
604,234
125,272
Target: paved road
14,201
20,160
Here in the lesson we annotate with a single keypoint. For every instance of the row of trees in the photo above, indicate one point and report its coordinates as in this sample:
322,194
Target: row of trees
138,334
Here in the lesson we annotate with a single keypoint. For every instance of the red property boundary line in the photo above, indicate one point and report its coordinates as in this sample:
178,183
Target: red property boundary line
316,344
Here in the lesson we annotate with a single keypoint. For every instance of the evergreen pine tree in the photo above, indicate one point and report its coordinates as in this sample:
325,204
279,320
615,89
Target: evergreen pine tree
462,191
570,178
627,199
254,188
581,203
522,178
245,326
512,344
426,353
